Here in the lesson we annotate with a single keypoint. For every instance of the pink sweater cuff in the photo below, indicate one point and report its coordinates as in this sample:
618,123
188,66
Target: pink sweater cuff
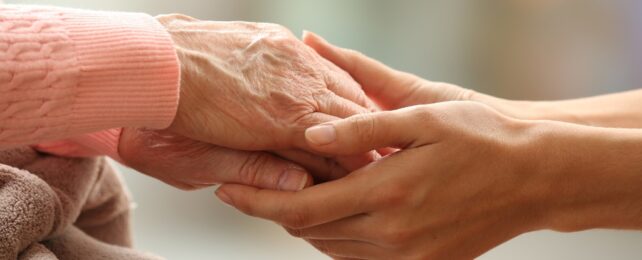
129,73
67,72
88,145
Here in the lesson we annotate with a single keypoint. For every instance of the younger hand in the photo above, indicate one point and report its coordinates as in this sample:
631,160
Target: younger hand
465,181
388,87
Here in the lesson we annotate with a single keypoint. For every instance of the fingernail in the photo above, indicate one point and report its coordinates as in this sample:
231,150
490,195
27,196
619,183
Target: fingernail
224,197
292,179
321,134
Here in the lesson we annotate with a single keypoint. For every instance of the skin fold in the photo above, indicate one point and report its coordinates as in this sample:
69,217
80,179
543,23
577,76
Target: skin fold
472,171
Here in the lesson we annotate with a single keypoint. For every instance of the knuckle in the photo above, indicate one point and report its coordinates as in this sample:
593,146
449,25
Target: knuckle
423,113
463,94
295,219
427,115
363,125
249,169
394,195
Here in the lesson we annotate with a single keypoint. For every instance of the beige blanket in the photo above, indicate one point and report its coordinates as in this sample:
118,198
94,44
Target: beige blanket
62,208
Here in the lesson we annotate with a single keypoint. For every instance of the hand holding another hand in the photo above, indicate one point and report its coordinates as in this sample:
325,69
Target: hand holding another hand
246,86
461,178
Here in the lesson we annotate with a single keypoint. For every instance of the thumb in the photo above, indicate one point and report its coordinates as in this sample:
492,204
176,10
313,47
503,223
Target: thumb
365,132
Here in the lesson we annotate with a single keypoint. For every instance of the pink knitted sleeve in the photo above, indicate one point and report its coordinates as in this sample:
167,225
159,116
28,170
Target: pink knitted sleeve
66,72
93,144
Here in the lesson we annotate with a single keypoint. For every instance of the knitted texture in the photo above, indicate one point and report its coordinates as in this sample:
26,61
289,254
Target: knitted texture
66,72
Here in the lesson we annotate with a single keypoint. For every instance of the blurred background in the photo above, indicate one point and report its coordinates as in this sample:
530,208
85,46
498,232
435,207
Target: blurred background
521,49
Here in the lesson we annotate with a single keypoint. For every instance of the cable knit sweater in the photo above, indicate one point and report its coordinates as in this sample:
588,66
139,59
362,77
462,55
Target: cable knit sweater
77,77
65,73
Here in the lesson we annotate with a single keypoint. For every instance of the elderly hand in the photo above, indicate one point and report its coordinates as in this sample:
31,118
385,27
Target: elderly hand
188,164
254,86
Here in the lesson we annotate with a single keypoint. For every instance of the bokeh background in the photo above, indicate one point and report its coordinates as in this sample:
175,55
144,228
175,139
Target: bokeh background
522,49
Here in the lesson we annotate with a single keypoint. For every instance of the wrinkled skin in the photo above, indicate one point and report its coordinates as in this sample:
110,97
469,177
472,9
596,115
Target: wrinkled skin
245,86
255,86
189,164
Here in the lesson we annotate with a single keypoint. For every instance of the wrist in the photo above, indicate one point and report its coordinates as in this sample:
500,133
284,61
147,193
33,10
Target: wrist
525,110
533,110
587,177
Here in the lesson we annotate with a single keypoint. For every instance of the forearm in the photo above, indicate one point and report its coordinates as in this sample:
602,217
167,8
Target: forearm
613,110
592,177
67,72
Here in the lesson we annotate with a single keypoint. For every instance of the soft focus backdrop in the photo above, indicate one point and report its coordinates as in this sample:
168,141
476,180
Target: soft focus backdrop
525,49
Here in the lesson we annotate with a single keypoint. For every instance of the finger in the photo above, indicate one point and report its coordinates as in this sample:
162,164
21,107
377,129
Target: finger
350,163
261,169
322,168
312,206
342,84
404,128
358,227
350,249
189,164
354,162
338,106
387,86
327,168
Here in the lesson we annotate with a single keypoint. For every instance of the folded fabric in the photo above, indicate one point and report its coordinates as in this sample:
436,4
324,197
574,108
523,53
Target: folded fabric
62,208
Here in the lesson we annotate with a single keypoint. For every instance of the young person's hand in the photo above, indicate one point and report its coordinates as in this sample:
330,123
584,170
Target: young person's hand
392,88
466,179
